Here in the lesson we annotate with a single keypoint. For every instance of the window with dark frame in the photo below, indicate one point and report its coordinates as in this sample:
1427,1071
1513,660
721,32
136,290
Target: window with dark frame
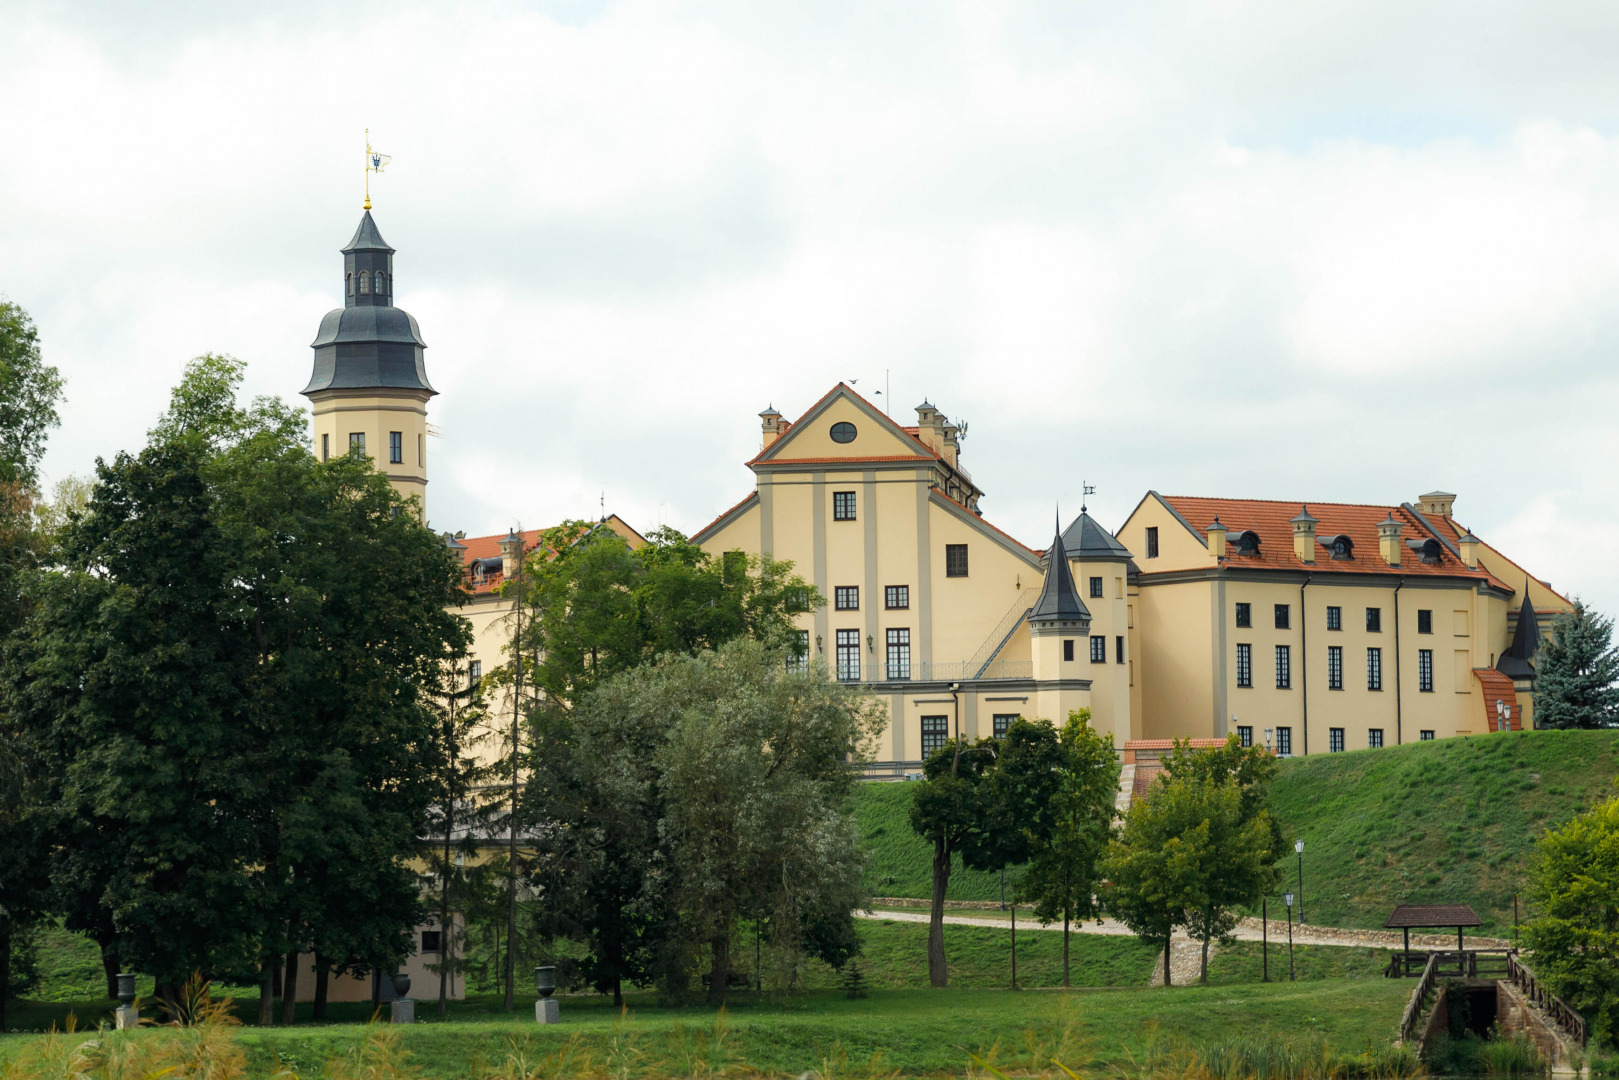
935,733
1424,621
326,448
1282,619
1284,667
1335,618
897,597
1067,648
1335,740
798,658
474,671
1425,670
1003,721
848,646
843,506
1245,666
1374,738
1284,742
1118,649
432,941
798,599
1245,616
899,653
1374,620
1425,735
955,560
1096,588
1098,649
357,441
846,598
396,447
1335,667
1245,735
1152,541
1374,668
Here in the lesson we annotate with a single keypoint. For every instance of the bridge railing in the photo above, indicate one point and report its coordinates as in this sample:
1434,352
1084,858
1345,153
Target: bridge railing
1572,1023
1419,996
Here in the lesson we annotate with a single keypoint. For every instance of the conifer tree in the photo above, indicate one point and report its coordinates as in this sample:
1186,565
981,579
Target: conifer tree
1575,673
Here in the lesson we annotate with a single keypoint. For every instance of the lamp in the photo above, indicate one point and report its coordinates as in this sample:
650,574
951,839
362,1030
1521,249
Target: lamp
871,643
818,643
1288,899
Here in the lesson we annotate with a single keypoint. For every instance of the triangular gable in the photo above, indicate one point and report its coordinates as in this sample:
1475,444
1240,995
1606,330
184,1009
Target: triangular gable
877,437
1176,514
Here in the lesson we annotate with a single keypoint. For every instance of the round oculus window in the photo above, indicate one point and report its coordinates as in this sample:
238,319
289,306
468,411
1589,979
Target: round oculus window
843,431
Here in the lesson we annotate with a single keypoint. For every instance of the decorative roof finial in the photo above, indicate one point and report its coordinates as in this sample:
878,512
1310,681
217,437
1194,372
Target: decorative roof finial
374,163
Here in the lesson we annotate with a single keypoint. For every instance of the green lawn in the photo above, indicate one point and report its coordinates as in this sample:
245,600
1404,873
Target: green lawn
1454,820
901,861
916,1032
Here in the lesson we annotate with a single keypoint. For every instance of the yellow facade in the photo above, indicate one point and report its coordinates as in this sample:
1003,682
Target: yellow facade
382,421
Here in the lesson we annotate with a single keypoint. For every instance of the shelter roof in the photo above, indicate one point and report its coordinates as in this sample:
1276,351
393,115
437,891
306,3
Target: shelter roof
1411,916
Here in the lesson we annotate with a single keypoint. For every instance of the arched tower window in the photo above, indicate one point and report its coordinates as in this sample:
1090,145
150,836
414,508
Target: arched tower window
365,279
380,290
348,284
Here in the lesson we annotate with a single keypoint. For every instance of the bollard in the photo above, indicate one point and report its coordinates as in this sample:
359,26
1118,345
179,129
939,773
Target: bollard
546,1010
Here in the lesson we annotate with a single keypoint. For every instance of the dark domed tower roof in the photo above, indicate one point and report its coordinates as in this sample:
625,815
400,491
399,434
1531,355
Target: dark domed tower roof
368,344
1059,601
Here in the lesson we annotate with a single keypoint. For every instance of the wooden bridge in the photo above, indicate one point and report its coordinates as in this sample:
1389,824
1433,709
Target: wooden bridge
1479,964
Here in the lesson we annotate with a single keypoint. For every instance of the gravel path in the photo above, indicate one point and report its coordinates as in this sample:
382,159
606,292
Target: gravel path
1244,932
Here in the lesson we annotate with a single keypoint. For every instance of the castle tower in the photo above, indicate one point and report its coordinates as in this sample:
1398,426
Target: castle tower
1059,624
369,388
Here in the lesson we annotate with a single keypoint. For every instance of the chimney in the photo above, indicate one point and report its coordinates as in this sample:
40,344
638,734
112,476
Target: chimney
1217,533
772,425
1388,539
1438,503
1304,535
511,553
952,447
930,428
1468,546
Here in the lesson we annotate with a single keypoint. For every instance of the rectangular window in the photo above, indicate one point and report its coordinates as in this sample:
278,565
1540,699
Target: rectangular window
474,671
1245,616
1118,649
1098,649
897,597
1374,620
1424,621
326,448
1335,618
1067,648
432,941
1245,735
935,733
1003,721
1284,667
1096,588
843,506
798,658
955,560
357,441
1335,667
798,599
1335,740
396,447
1245,666
899,654
1281,617
848,655
846,597
1152,541
1374,738
1374,669
1425,670
421,450
1425,735
1284,742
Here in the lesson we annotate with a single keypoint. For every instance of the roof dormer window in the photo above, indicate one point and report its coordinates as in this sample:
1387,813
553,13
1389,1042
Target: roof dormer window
1431,552
1247,542
1342,547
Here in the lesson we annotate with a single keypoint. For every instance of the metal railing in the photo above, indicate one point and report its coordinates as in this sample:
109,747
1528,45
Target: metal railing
971,670
1003,630
1572,1023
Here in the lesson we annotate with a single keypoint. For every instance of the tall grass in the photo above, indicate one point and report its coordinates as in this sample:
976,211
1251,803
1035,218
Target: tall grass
1495,1056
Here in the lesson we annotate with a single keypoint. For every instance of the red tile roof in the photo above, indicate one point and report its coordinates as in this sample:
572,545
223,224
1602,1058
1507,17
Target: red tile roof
1272,521
728,511
1497,687
488,547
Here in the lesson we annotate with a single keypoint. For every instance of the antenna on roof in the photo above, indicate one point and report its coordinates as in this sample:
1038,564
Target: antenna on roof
1086,490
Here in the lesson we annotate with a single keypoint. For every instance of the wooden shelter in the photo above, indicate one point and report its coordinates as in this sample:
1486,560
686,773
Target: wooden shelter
1431,916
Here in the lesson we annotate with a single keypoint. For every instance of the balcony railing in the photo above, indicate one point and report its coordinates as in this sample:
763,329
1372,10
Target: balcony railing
959,671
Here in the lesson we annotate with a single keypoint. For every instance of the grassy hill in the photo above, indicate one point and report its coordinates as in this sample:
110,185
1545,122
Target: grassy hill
1453,820
1450,820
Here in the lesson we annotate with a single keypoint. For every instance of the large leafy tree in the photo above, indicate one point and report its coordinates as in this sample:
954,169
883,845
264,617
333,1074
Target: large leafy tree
1575,673
1062,878
232,679
1574,890
30,391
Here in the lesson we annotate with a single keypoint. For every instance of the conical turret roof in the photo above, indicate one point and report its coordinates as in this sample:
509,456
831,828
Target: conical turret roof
1516,662
367,238
1086,540
1059,600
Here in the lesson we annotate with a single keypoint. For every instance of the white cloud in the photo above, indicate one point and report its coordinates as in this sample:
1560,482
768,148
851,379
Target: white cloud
1330,251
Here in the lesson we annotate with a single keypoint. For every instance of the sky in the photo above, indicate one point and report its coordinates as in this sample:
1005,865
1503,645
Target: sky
1334,252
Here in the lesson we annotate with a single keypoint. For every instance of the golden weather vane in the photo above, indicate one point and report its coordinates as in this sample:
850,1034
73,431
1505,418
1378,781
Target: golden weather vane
374,163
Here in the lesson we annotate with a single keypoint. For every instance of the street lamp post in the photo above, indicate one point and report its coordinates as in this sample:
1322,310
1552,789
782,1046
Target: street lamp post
1298,846
1264,939
1291,974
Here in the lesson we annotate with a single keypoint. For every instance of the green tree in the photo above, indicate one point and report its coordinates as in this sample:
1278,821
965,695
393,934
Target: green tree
1063,877
1250,768
30,391
948,810
1574,936
1575,672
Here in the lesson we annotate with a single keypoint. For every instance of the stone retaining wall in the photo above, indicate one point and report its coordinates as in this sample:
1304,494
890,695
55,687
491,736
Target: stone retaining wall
1381,939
